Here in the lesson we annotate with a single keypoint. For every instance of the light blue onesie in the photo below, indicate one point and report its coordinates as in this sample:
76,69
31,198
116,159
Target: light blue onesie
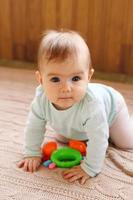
89,119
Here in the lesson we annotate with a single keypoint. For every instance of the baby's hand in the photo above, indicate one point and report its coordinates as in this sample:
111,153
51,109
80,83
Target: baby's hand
30,164
76,173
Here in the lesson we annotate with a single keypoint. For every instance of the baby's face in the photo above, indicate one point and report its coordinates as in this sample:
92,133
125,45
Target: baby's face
65,83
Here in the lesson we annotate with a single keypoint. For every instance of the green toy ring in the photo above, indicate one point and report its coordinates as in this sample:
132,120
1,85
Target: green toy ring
66,157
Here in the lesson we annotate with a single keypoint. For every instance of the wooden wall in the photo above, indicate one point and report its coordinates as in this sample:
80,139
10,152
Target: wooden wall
107,25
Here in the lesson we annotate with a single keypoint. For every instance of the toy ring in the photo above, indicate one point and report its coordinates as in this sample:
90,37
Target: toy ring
66,157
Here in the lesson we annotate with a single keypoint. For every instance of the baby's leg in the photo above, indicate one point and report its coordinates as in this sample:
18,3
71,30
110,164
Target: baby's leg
121,132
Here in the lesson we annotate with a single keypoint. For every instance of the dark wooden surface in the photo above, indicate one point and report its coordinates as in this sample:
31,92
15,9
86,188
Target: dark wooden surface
106,25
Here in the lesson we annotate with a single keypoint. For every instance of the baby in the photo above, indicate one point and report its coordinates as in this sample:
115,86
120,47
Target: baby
74,107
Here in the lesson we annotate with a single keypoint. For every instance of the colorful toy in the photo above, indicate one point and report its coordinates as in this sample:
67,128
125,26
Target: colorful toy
78,145
47,163
52,165
48,148
64,157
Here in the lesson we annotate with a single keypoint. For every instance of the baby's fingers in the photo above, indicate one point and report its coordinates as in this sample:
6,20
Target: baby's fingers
67,171
33,165
68,176
26,165
20,163
30,165
83,180
36,164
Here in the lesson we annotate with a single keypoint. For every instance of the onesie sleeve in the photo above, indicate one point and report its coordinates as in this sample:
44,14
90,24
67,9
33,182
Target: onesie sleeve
98,134
35,128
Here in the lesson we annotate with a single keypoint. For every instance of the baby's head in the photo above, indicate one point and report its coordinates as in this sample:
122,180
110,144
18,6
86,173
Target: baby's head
64,65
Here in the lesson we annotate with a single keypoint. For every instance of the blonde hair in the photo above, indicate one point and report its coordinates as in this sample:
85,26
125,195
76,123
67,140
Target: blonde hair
57,46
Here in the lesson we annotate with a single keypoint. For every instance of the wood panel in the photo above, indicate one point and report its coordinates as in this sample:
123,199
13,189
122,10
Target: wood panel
33,27
48,14
113,33
106,25
5,30
65,11
19,31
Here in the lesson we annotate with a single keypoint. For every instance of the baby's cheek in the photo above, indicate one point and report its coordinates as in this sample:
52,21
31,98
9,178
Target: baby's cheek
51,95
79,94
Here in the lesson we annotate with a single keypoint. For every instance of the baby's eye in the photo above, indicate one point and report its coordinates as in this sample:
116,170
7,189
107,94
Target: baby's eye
54,79
76,78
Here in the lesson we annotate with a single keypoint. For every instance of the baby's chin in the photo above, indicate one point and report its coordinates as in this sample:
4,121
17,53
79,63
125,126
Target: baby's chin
59,107
65,106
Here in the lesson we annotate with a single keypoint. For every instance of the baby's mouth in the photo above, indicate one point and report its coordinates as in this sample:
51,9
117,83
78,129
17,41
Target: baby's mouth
65,97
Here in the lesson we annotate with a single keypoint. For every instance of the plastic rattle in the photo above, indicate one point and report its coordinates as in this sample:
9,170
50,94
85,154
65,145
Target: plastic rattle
48,148
78,145
66,157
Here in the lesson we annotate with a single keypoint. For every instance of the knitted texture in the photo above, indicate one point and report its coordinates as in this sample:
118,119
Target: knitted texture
114,182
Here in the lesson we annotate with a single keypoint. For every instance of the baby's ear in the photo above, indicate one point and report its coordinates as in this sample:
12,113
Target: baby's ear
38,77
91,72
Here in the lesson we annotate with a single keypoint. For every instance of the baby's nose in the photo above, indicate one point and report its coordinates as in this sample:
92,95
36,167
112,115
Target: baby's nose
66,87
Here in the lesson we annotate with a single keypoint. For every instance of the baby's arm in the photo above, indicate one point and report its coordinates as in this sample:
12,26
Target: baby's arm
96,150
34,135
92,164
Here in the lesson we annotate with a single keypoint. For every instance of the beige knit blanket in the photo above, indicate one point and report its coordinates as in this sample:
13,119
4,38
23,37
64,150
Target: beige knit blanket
115,181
